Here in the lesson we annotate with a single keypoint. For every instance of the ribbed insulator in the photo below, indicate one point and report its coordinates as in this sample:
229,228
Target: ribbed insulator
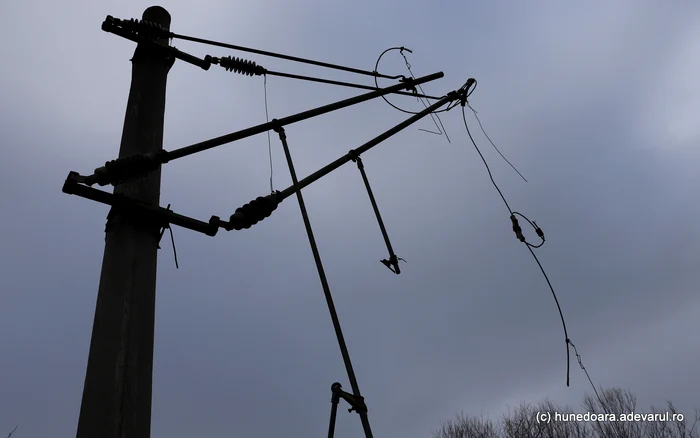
126,169
241,66
254,211
145,28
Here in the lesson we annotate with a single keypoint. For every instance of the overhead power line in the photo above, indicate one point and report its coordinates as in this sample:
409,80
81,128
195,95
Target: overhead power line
122,339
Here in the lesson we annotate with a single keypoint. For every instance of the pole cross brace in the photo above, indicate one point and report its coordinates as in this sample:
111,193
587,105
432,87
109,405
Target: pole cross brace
146,211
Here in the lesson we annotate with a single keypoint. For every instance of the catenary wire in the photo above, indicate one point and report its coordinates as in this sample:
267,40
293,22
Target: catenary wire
283,56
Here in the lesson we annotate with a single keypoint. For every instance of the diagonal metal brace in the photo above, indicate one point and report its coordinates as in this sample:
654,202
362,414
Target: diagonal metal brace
393,262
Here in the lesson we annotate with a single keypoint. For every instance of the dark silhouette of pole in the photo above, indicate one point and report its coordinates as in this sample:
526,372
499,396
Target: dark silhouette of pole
116,399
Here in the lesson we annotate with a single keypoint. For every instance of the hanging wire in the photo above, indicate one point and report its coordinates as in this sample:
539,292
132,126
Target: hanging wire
172,240
530,247
578,358
492,144
269,142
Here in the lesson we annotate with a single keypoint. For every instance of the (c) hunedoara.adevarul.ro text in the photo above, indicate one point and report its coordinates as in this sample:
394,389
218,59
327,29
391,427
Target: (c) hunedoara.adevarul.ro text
548,417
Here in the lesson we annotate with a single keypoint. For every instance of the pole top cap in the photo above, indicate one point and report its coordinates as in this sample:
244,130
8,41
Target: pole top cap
158,15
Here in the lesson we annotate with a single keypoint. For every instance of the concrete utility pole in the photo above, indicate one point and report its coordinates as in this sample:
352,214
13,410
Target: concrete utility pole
117,393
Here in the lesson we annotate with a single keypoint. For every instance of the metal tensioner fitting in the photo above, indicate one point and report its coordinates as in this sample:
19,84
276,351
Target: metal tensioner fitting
355,157
410,86
516,228
357,404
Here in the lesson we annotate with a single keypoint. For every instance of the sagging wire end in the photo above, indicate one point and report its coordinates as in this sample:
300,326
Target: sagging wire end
393,263
125,169
237,65
568,342
251,213
172,238
145,32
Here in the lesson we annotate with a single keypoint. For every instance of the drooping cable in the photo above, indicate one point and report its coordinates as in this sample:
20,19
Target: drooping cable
521,237
488,169
578,358
492,143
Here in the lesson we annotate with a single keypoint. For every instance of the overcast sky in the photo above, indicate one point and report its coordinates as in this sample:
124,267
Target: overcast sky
595,102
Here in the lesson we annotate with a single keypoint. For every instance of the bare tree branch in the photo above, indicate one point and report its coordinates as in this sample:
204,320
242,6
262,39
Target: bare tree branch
522,422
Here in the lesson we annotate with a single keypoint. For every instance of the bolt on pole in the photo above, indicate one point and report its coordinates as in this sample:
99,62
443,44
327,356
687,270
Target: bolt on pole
116,398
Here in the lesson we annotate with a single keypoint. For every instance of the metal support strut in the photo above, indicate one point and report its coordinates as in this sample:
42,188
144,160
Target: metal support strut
324,282
357,404
393,262
127,168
